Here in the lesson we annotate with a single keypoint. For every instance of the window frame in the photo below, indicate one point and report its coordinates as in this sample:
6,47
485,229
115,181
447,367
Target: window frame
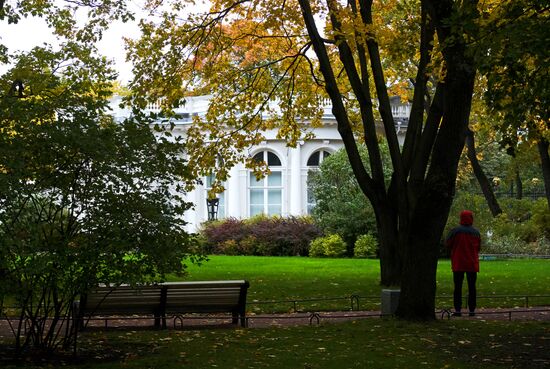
323,154
264,187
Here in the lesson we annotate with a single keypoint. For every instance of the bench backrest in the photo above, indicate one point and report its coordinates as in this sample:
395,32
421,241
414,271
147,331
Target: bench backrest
208,296
122,299
213,296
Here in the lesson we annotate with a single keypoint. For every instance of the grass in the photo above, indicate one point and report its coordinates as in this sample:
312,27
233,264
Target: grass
372,342
287,278
369,343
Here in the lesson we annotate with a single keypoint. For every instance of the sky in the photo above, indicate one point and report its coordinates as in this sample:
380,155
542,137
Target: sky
31,32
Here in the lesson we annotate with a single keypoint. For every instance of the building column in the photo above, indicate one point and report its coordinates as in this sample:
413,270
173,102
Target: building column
295,188
233,191
200,205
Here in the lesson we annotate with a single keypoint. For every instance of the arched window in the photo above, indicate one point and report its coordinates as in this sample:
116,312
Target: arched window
317,158
313,164
266,194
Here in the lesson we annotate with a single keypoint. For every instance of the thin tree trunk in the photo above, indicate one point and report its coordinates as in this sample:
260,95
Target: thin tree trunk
519,185
484,183
372,187
543,146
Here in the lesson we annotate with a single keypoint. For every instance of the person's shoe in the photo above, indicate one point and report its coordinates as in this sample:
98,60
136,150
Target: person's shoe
457,313
472,313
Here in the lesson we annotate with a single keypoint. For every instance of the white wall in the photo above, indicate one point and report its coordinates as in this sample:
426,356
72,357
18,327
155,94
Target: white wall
294,164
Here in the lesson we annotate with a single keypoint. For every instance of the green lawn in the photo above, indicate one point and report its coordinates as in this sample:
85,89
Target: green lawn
287,278
369,343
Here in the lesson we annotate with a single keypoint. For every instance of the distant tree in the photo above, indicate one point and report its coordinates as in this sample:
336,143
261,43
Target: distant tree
84,200
516,62
340,205
485,183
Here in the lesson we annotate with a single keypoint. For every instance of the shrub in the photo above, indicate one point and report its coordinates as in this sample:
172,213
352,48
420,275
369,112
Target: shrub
230,247
345,211
250,246
331,246
260,235
317,247
218,232
504,244
366,246
522,228
513,244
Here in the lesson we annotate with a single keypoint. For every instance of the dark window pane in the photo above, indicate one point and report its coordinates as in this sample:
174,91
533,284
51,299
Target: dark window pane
259,157
326,154
313,160
273,160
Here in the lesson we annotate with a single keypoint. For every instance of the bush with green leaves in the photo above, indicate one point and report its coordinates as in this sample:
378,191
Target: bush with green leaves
340,205
260,235
522,228
366,246
84,200
330,246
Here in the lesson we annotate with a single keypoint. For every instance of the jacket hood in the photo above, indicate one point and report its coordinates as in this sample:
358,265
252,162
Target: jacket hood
466,217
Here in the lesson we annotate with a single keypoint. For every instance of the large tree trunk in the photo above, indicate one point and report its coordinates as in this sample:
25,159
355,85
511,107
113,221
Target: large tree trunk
545,164
390,263
418,285
411,216
432,200
484,183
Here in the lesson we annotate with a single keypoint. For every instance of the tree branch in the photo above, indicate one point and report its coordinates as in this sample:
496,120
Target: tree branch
414,129
382,92
362,93
338,108
484,183
422,158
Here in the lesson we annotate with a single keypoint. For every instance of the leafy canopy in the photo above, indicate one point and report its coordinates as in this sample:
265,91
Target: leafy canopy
84,199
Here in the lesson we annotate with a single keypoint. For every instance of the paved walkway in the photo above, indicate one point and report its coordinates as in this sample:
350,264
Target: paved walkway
296,319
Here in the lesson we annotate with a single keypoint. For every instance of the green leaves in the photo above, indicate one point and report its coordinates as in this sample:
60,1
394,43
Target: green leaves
84,199
516,63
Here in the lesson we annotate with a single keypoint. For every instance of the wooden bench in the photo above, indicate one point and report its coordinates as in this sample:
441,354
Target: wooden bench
170,298
207,297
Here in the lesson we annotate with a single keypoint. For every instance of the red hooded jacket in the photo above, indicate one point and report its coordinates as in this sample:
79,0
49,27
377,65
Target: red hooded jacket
465,243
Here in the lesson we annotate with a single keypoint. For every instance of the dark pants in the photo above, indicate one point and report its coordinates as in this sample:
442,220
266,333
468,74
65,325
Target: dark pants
457,295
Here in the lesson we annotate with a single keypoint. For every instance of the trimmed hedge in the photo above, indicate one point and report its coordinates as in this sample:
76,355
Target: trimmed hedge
366,246
260,235
331,246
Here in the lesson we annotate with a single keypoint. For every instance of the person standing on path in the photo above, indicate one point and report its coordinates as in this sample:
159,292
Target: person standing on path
464,242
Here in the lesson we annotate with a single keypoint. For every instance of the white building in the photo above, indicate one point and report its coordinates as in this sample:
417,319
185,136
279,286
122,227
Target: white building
284,192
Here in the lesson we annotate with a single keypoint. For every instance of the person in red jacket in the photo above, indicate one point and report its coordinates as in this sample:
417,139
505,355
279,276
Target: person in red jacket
464,242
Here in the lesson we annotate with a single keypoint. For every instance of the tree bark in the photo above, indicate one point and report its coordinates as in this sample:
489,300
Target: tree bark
543,146
484,183
519,185
434,196
410,216
388,238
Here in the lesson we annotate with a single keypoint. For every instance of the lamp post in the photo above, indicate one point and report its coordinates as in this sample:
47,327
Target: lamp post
212,206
